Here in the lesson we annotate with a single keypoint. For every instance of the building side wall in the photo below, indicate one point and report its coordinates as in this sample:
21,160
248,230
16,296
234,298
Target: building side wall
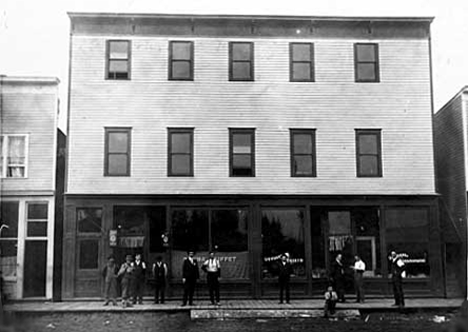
32,110
334,105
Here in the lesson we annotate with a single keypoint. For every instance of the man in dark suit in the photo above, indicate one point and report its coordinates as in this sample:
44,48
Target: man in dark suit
160,276
397,269
190,275
337,277
139,274
284,276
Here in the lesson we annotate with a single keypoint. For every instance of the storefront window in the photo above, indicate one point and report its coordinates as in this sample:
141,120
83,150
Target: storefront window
367,236
317,220
283,232
9,238
89,220
190,231
131,223
407,233
340,237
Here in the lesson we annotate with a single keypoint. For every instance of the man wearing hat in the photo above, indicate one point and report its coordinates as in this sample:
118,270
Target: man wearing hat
190,275
139,279
126,273
284,276
212,267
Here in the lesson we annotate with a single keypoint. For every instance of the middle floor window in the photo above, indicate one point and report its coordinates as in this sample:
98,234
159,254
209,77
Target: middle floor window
303,152
180,152
242,152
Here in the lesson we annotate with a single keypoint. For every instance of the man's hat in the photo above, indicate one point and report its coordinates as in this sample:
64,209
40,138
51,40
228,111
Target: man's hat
129,257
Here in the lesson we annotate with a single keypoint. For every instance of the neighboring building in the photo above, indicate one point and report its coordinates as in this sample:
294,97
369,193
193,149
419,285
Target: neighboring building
28,145
451,144
252,135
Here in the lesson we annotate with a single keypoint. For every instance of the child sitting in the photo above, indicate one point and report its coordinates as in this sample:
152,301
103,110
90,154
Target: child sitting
330,302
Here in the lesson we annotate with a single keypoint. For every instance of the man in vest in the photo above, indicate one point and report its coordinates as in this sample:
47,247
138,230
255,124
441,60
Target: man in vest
160,276
213,271
139,279
190,275
398,273
126,274
359,269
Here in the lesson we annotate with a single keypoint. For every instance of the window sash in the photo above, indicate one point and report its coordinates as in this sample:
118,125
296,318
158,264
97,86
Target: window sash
242,152
307,77
234,63
172,155
14,163
361,64
360,156
175,60
118,62
294,169
107,158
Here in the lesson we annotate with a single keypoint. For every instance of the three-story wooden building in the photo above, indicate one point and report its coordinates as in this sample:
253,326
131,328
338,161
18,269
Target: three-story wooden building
254,136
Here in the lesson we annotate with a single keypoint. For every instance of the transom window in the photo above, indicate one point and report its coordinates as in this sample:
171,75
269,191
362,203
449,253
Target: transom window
117,152
303,152
242,152
366,58
13,156
118,59
241,61
301,62
368,153
37,219
181,60
180,152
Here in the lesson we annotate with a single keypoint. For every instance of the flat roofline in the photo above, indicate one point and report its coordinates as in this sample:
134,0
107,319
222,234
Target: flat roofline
427,19
29,79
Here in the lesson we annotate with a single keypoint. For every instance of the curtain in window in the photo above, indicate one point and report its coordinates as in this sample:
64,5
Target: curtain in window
16,157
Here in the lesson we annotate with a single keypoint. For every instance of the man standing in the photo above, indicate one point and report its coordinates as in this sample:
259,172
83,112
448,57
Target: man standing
337,277
190,275
398,273
359,268
126,274
213,272
284,276
160,276
139,279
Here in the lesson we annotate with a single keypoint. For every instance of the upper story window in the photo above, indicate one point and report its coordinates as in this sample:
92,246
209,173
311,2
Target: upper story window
301,57
241,61
180,152
117,152
366,62
303,152
181,60
118,59
13,156
242,152
368,153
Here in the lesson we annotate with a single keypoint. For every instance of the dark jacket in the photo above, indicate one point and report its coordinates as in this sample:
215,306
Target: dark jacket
336,271
284,271
160,273
104,270
140,270
189,270
395,269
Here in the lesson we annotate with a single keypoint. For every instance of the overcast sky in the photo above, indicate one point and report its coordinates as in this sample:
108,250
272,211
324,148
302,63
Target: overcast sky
34,33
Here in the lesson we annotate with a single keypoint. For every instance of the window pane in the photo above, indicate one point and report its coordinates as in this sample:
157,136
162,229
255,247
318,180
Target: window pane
241,161
303,165
230,239
37,211
282,232
181,70
89,254
368,239
301,71
118,66
366,53
118,49
118,142
38,228
368,144
9,217
317,220
180,165
303,143
301,52
118,164
181,51
16,150
241,51
407,233
1,157
368,165
132,226
339,222
242,143
180,143
366,71
15,172
190,230
89,220
8,257
241,70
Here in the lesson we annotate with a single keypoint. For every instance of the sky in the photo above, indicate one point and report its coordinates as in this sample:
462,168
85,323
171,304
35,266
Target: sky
34,34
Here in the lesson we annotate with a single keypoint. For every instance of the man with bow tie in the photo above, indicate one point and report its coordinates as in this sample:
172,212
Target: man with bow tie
190,275
213,271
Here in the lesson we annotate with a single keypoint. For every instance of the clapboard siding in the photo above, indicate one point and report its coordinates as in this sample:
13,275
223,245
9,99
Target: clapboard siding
32,110
334,105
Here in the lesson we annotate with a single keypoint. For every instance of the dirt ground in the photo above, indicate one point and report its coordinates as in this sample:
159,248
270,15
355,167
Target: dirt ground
155,322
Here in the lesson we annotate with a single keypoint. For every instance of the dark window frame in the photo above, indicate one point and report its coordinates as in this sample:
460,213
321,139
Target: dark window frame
310,132
129,60
376,63
231,62
107,131
171,60
232,132
378,134
292,62
171,131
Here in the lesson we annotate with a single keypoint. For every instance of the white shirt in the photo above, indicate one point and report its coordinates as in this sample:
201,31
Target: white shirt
212,265
359,266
